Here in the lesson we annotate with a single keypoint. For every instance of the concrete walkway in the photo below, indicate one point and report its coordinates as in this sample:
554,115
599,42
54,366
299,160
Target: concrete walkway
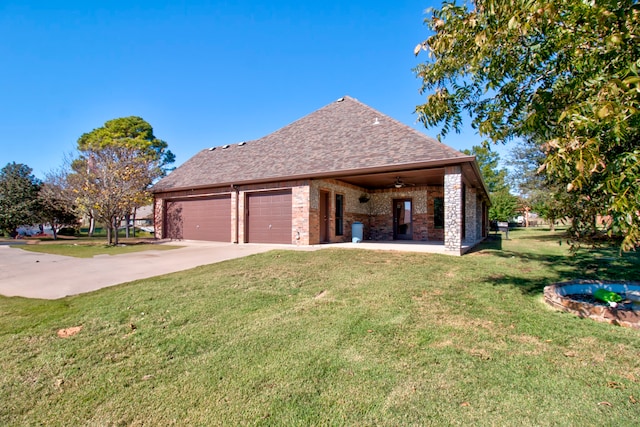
36,275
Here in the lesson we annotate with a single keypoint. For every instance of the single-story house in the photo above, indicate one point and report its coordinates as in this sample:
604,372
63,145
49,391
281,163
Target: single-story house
309,182
144,216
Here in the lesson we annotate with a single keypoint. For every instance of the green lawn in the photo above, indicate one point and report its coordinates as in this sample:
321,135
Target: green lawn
89,249
332,337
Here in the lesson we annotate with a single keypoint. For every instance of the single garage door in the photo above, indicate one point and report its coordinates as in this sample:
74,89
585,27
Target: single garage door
269,217
199,219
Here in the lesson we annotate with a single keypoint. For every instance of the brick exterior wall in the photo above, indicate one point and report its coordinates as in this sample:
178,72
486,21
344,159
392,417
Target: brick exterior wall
380,222
301,215
353,209
376,214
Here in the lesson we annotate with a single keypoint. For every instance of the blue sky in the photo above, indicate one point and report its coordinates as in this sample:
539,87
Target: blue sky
202,73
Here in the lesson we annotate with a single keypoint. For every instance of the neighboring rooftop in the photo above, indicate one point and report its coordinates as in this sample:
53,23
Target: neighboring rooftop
345,136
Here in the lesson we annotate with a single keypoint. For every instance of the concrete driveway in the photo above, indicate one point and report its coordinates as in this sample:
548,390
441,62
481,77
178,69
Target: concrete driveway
35,275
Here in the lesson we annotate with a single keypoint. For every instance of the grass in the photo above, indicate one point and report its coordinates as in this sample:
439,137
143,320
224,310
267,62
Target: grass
333,337
91,248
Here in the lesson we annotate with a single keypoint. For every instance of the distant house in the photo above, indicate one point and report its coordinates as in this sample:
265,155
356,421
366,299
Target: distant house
144,216
308,182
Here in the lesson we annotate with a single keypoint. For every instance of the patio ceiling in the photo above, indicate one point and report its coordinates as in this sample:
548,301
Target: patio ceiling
411,178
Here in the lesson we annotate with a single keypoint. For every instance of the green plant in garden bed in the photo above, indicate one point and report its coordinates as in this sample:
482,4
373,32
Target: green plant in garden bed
331,337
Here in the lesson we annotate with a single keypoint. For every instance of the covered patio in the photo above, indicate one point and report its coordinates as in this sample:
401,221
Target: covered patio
435,206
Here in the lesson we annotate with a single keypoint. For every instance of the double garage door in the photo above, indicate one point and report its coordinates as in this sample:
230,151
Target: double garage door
267,220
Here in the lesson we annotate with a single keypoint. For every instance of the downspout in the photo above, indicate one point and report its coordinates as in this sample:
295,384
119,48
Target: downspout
236,230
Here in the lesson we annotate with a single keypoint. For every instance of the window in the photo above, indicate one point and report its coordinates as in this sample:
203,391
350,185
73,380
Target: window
438,212
339,214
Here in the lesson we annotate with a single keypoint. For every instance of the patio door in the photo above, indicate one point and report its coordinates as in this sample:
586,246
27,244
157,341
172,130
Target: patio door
402,220
324,217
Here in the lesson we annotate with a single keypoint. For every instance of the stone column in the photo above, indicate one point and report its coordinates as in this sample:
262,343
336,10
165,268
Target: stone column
479,211
470,215
452,209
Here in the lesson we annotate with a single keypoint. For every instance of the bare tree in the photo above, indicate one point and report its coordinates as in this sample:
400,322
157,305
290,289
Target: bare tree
111,181
57,202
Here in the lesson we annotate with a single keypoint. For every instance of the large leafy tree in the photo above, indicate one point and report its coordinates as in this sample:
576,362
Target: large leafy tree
18,197
116,166
489,163
537,190
132,132
561,72
504,205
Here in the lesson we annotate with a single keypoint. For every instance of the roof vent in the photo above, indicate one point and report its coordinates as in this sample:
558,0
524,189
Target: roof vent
225,146
212,148
376,121
242,143
340,99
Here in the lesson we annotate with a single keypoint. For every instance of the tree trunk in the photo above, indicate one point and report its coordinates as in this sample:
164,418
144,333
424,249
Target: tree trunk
92,225
127,217
108,225
115,230
134,221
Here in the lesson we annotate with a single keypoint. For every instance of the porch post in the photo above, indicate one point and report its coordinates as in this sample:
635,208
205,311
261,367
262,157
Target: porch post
471,215
479,220
453,209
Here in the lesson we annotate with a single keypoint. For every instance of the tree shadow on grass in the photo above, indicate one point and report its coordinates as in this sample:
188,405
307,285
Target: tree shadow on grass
584,264
492,242
551,237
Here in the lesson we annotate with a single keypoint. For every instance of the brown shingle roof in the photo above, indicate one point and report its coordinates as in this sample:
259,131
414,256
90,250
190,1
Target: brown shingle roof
343,136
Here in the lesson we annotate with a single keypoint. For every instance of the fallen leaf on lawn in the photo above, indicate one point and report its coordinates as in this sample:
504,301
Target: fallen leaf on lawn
147,377
465,404
569,354
132,326
68,332
604,404
616,385
633,399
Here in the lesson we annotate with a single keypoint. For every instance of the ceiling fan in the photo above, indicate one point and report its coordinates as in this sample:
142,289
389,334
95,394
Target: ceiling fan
399,183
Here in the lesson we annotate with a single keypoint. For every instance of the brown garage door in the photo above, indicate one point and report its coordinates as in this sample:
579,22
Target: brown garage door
269,217
199,219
